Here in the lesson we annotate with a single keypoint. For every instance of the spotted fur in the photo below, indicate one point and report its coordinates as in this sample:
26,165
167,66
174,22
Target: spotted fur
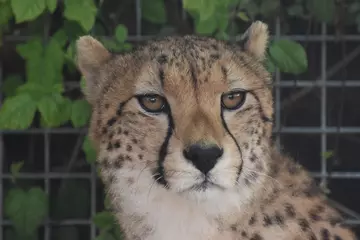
258,193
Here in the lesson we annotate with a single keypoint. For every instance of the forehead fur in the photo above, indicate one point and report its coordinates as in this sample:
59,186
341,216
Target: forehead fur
191,72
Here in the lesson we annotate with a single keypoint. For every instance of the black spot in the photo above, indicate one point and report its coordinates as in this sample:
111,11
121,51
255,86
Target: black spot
118,164
117,144
129,148
246,145
161,76
140,156
104,130
107,105
325,235
256,236
128,158
289,210
109,147
134,141
215,56
279,219
233,228
267,220
314,216
243,234
111,121
337,237
162,59
119,131
126,132
253,157
252,220
304,224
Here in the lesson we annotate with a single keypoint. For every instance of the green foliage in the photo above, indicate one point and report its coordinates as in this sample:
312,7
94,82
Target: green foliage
80,113
89,150
42,91
289,56
26,209
153,11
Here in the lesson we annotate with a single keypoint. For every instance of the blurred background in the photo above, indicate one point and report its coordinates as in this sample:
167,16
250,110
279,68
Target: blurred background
49,187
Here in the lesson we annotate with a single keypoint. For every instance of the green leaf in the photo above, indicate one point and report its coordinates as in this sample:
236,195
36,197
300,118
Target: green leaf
51,5
206,27
5,13
38,91
89,150
104,220
27,10
153,11
60,37
15,169
289,56
17,112
243,16
80,113
81,11
205,8
323,10
83,84
26,210
11,83
55,110
121,33
30,49
328,154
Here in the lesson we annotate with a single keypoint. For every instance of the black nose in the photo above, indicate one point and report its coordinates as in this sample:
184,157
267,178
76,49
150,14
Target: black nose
203,158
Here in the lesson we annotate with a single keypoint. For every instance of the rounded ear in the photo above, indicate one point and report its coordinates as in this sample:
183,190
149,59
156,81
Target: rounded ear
255,40
90,57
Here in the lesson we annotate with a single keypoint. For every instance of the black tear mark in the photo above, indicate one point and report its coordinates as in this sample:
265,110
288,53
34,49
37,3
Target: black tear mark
236,143
159,175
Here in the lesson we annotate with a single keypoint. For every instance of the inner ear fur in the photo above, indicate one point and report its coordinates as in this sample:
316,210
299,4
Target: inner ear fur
90,57
255,40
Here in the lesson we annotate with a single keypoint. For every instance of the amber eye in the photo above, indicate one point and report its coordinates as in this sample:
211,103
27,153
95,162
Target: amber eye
152,103
233,100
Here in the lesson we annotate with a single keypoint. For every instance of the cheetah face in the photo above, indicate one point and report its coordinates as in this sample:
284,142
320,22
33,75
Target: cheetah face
194,113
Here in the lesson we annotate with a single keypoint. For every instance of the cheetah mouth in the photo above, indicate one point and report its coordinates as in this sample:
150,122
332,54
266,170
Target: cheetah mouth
206,184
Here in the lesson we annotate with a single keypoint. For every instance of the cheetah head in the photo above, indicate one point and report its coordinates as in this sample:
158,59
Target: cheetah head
193,112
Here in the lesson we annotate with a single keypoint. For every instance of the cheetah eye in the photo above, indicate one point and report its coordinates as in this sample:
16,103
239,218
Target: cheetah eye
233,100
152,103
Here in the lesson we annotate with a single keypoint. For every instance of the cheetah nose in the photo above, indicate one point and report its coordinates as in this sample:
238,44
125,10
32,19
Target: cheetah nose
202,157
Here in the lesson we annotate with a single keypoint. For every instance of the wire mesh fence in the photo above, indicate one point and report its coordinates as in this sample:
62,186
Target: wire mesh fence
307,135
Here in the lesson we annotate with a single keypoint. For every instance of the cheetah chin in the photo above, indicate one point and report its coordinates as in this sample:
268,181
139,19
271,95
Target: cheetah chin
182,127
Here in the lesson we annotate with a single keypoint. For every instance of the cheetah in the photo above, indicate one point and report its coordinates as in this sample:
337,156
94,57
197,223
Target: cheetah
182,126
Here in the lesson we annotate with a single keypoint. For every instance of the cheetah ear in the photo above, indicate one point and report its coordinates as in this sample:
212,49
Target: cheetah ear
255,39
90,57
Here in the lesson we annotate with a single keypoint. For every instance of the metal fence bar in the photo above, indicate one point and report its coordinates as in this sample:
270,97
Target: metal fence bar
277,92
1,163
323,108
